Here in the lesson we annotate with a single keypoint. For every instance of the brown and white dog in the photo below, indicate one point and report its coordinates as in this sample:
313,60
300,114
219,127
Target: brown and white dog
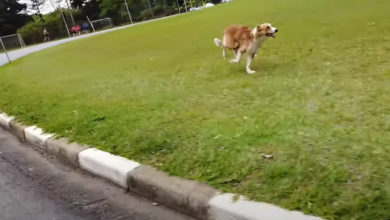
242,39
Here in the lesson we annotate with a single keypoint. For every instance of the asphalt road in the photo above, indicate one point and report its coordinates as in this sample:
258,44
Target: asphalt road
35,186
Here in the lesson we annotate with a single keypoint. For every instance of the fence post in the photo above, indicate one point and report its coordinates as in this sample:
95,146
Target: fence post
62,14
128,12
178,6
89,21
21,41
66,25
70,12
185,5
5,50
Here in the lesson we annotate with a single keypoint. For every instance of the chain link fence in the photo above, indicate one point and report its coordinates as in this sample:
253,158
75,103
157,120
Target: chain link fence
10,42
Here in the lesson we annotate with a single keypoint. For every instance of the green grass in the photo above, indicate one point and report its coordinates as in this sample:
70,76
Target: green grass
161,94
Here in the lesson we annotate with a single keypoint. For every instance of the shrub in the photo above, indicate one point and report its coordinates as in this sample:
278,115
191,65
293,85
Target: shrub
158,9
146,14
32,31
169,11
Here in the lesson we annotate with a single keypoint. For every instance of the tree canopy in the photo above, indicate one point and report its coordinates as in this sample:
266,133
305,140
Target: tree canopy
13,15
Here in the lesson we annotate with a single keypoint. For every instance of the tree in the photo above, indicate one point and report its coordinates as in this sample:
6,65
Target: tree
78,3
111,8
32,31
91,9
35,5
116,9
88,8
13,15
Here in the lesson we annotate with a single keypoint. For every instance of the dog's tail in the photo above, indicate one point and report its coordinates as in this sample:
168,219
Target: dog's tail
218,42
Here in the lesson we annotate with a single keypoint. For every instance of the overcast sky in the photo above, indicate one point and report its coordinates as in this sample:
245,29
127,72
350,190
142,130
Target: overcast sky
45,8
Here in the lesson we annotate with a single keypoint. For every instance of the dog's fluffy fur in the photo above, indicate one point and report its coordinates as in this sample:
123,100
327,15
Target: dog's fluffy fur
242,39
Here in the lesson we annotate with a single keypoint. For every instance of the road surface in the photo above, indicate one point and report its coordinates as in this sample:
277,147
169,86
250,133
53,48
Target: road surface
35,186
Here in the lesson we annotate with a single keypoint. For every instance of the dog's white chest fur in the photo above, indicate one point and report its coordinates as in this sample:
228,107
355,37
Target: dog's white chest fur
256,44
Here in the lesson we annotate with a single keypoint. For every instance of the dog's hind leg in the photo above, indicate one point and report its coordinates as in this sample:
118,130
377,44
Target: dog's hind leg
224,52
219,43
224,46
235,52
237,59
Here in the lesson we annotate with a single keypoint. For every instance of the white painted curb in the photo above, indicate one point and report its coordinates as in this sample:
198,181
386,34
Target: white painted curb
35,136
5,120
109,166
225,207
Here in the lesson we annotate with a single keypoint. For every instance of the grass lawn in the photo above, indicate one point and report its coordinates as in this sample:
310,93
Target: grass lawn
160,93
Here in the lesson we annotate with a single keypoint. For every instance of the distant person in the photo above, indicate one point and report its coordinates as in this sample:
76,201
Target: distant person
74,31
86,27
78,29
46,34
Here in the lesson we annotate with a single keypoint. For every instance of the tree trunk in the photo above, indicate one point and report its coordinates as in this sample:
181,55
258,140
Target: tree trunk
35,5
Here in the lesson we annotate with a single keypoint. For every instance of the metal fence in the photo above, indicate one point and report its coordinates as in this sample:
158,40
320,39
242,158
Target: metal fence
13,41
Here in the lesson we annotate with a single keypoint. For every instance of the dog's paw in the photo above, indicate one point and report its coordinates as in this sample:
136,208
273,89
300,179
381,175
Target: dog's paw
250,71
233,61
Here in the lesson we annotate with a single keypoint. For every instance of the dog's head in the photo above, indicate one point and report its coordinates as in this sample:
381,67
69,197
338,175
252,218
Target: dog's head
266,29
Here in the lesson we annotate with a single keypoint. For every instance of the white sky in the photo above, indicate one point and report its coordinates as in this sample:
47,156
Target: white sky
46,7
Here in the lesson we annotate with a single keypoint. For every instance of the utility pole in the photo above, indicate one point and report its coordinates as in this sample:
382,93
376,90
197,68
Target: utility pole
128,12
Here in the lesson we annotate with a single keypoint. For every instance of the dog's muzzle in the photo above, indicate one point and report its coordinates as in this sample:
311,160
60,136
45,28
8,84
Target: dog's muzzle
270,35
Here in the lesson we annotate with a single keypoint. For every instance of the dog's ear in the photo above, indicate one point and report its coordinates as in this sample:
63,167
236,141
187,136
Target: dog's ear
259,28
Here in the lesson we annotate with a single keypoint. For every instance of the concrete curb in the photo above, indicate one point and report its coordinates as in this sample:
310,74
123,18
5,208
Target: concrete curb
5,120
107,165
187,196
190,197
65,151
18,130
225,207
36,137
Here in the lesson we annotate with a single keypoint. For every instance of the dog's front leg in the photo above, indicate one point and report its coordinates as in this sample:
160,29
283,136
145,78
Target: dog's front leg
248,63
237,59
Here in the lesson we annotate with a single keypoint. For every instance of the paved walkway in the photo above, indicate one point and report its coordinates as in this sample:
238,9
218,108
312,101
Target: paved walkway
16,54
35,186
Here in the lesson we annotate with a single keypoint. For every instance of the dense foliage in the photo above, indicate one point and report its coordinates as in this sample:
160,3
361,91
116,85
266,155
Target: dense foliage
12,16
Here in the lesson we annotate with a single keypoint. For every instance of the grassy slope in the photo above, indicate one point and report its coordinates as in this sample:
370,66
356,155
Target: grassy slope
161,94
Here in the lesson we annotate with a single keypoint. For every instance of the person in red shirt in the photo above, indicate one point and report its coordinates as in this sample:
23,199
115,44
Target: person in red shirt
78,29
74,31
